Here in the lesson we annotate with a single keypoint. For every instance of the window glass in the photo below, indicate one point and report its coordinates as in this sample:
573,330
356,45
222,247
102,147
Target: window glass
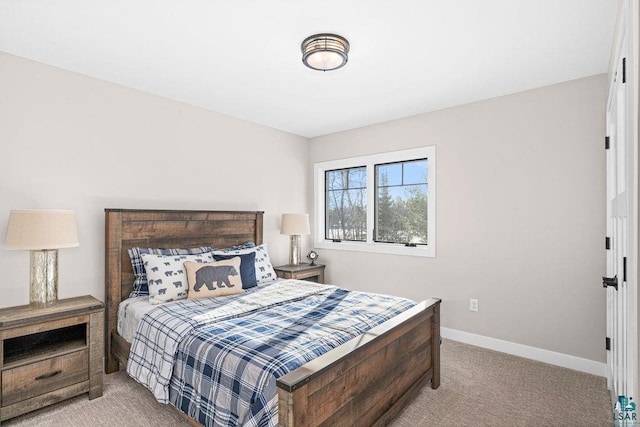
415,172
346,204
392,172
401,202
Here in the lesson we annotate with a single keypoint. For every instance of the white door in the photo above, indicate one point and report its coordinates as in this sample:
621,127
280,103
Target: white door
620,357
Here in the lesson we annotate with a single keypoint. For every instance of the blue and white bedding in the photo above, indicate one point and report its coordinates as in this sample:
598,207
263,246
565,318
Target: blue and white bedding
217,359
130,311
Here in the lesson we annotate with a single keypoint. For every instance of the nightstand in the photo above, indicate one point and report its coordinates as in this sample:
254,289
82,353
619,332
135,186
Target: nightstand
311,273
50,354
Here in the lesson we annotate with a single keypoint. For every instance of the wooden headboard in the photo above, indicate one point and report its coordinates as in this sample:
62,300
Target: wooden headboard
128,228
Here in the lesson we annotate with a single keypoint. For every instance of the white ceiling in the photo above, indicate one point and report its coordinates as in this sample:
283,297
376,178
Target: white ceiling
242,57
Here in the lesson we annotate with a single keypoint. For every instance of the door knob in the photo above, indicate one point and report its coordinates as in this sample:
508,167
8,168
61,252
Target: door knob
610,281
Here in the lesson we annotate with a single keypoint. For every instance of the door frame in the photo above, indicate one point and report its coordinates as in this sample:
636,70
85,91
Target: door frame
629,17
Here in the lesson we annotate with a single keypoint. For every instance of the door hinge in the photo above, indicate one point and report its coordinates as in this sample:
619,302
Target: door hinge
607,243
606,142
624,269
607,343
624,70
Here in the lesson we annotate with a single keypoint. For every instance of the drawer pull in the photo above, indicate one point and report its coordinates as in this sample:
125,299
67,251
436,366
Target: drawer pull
49,375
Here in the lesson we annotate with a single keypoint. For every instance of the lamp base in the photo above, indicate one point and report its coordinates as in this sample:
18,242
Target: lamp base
43,277
294,249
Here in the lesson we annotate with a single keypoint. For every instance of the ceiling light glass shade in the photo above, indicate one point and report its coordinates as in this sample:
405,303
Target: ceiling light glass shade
325,52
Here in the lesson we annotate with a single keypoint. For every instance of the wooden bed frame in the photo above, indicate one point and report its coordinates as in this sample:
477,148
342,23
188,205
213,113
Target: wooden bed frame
366,381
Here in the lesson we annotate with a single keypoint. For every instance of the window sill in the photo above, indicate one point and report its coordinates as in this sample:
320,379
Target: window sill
381,248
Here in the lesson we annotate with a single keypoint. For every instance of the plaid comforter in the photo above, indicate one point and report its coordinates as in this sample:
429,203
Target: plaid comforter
218,359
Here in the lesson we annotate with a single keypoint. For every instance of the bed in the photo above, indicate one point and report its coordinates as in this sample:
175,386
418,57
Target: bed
342,386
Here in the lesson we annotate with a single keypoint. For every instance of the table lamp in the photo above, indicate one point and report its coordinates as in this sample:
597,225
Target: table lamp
295,225
42,232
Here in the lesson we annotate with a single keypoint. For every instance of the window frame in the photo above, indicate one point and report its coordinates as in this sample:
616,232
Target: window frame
369,161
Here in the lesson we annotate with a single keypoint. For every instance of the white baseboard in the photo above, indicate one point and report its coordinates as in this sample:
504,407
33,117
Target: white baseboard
546,356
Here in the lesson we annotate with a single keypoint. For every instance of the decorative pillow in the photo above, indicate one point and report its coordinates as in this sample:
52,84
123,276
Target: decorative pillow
264,270
166,276
247,268
214,279
245,245
140,286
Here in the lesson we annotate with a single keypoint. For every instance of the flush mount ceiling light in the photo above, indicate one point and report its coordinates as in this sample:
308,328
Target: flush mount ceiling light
325,52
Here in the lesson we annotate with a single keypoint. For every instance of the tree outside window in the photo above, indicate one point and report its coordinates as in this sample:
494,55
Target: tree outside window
346,204
401,202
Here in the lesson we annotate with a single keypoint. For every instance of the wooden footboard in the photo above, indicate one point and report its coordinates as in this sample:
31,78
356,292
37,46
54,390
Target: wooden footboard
368,380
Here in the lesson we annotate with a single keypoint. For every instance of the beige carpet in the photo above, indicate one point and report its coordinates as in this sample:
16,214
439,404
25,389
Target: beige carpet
481,387
478,388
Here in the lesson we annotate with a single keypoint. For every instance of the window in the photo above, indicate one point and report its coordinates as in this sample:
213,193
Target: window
378,203
401,202
346,204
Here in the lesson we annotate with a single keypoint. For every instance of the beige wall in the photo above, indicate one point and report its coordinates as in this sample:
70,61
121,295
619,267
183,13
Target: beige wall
520,193
520,216
72,142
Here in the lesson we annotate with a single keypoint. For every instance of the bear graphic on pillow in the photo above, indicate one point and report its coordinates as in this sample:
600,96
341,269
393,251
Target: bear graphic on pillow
207,275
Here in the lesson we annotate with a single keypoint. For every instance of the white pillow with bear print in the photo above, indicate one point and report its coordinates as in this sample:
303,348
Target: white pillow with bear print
167,276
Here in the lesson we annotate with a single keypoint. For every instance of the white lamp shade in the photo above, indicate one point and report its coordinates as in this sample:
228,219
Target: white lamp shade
295,224
42,229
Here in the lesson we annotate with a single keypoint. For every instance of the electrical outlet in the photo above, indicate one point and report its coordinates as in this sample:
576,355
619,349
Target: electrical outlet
473,304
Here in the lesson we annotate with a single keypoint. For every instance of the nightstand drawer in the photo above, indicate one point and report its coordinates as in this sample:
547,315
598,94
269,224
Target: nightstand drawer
42,377
311,273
